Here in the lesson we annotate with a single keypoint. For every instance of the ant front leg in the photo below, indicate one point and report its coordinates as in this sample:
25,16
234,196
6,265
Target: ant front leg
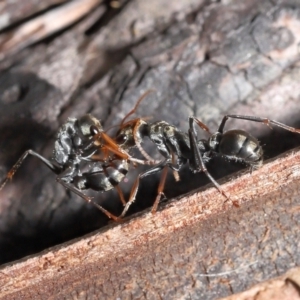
55,169
197,162
265,121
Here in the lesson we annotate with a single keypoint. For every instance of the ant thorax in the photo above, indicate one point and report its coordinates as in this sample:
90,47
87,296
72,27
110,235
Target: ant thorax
74,138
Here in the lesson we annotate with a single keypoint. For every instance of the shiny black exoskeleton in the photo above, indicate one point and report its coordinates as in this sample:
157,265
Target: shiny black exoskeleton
172,143
179,148
79,159
233,145
237,145
167,138
75,143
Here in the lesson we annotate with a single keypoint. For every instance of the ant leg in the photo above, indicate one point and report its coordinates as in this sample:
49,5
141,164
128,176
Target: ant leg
200,124
265,121
160,189
16,166
120,193
197,162
86,198
135,186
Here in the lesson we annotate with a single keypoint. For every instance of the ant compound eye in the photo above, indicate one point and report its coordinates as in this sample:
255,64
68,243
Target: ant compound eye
94,130
89,126
121,138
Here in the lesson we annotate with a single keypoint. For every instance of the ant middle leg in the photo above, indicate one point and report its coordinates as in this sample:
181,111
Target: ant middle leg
265,121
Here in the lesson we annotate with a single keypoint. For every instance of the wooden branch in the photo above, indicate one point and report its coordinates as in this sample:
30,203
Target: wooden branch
195,246
45,25
16,11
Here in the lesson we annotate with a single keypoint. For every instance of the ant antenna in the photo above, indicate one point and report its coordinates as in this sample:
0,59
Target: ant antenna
136,105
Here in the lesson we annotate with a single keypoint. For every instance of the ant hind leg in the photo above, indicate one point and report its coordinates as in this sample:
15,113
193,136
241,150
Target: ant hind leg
265,121
87,199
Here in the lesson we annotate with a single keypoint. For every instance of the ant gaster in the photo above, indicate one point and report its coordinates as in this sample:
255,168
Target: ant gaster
78,141
233,145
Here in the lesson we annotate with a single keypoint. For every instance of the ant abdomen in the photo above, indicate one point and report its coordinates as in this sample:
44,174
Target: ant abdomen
241,146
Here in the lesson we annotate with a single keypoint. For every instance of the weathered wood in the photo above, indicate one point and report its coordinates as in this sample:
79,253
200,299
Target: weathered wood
45,25
286,287
197,246
15,11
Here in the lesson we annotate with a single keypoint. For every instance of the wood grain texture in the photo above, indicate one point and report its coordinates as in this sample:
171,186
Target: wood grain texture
196,246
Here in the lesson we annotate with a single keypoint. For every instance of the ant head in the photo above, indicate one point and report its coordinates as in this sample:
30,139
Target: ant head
89,125
131,134
124,137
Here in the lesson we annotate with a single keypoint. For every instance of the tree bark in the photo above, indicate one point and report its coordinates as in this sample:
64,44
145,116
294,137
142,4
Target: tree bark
197,246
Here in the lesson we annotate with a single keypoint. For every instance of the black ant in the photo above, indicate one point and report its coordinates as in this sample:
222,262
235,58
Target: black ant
233,145
83,141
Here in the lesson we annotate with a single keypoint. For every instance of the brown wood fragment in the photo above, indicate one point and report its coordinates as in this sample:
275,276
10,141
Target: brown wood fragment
286,287
195,246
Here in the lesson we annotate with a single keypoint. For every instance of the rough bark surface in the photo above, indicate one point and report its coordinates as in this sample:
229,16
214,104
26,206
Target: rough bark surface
194,247
203,58
285,287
